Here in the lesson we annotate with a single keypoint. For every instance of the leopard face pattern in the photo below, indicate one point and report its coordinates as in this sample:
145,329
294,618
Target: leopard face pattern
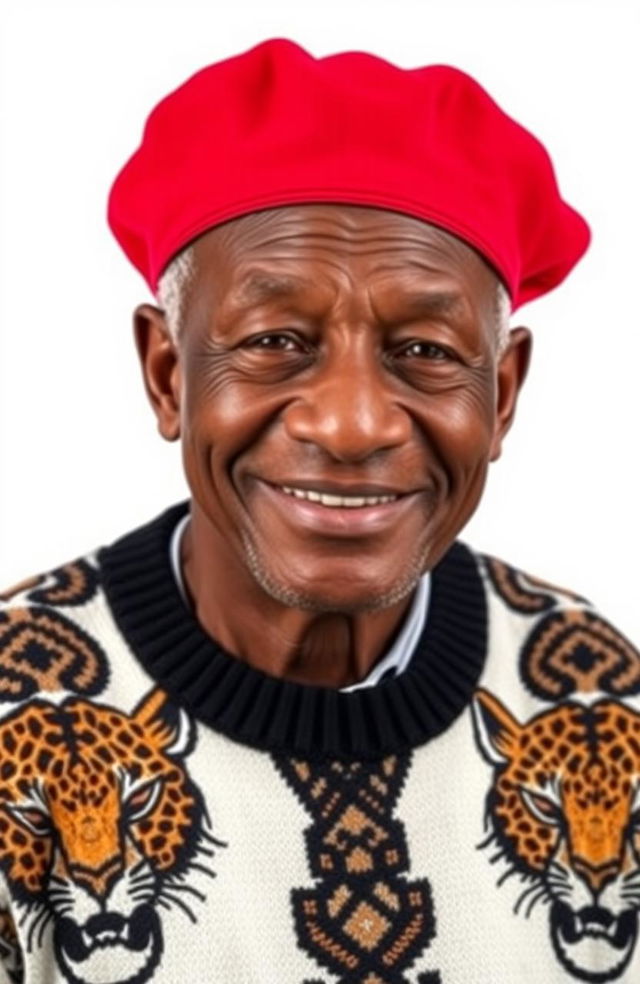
564,808
100,823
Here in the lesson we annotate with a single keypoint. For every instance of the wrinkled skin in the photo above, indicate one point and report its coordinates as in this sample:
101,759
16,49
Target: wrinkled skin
327,346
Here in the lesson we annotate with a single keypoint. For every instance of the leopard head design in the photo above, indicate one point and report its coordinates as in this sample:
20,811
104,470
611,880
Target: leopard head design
564,807
100,823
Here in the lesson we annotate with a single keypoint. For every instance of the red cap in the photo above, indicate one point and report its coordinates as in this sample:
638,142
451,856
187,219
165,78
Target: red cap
276,126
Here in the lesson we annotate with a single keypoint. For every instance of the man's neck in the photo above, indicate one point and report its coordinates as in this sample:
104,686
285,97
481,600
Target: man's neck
330,649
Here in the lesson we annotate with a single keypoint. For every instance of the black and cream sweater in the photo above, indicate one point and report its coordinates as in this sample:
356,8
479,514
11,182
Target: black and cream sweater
170,814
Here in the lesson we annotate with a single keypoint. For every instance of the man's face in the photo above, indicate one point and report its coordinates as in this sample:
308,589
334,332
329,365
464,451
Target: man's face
341,351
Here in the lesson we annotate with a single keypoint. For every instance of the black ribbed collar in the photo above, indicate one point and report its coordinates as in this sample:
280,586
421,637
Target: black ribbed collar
269,713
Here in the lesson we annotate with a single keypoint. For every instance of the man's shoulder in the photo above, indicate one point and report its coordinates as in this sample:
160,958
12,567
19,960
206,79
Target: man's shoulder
70,584
524,592
53,633
567,646
76,583
57,628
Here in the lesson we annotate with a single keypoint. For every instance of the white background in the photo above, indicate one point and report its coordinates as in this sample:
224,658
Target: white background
80,458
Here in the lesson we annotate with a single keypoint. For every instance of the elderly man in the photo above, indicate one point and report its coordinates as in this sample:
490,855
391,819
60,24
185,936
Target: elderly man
294,731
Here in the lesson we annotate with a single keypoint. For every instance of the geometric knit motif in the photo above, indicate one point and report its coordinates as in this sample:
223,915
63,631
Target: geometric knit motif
363,920
41,650
72,584
570,648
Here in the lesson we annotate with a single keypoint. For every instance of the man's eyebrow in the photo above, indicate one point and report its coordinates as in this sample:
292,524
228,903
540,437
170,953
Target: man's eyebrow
432,303
259,287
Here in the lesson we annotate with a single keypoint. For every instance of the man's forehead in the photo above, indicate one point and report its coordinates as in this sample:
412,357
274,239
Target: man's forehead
336,225
257,287
280,251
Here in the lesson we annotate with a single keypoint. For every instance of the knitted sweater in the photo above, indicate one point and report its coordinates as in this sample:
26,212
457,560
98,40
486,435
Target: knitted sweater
170,814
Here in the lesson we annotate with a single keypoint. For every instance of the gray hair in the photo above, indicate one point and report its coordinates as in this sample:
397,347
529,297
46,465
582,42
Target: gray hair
172,289
175,281
503,315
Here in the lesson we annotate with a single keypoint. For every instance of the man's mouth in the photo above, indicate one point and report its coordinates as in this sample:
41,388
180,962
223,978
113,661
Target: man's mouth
327,511
338,501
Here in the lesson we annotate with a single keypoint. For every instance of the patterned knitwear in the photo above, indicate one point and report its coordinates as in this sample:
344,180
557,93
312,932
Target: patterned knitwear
170,814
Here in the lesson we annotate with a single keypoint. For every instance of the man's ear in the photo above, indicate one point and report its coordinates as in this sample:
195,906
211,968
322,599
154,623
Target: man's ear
160,367
512,372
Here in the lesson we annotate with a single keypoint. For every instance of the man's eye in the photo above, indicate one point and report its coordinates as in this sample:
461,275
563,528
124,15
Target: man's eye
275,342
425,350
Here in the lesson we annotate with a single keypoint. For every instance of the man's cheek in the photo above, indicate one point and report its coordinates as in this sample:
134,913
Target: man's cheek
458,433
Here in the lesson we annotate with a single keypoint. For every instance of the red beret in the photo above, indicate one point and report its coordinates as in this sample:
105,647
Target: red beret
275,126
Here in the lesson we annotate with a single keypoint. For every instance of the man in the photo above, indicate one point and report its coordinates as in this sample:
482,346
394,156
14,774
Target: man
283,732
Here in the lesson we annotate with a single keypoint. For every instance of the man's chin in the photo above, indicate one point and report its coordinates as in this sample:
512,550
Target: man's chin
347,590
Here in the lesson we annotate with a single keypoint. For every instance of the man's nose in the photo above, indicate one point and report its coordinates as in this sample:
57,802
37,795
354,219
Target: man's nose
349,410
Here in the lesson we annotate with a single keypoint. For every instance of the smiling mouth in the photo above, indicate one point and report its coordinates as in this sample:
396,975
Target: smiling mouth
333,501
326,511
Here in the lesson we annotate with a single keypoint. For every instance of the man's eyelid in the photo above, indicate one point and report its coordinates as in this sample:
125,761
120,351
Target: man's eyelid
446,351
292,334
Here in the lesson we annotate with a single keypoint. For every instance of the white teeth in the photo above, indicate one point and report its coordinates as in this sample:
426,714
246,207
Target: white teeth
342,501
